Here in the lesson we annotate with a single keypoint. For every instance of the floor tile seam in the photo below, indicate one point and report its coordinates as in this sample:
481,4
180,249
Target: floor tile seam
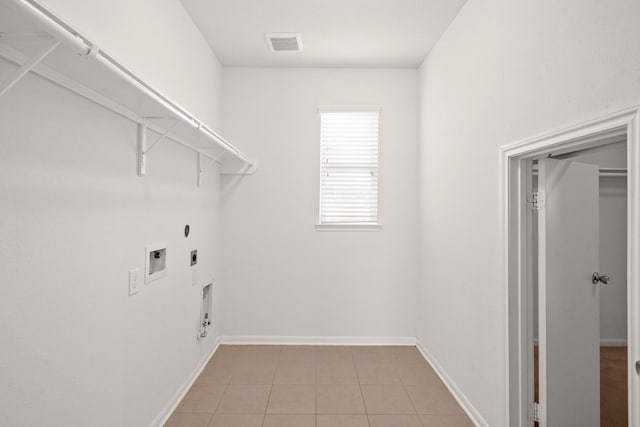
415,412
261,415
406,392
275,370
210,423
266,406
366,415
441,413
210,419
400,415
315,387
217,403
315,375
341,414
364,403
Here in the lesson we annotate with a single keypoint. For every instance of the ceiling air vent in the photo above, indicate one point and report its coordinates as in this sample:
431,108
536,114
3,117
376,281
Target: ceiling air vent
284,42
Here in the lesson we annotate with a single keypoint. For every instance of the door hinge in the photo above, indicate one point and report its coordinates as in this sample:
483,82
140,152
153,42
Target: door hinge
537,416
536,201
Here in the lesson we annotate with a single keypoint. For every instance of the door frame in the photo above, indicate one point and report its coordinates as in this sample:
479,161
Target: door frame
516,247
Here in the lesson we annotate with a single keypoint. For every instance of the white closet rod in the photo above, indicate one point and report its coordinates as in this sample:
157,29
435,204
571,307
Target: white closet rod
47,73
59,29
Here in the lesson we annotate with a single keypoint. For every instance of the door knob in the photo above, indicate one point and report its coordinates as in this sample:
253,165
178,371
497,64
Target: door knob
596,277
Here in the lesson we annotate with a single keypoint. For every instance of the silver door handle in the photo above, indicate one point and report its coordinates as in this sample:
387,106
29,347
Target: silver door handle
596,277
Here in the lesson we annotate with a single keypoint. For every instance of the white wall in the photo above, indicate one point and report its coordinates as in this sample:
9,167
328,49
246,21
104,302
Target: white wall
503,71
75,217
283,278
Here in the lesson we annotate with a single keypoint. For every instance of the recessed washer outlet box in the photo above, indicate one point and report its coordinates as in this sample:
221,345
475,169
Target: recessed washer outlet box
156,262
206,310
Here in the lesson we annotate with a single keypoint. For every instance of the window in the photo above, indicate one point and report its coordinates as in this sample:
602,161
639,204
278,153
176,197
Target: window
349,168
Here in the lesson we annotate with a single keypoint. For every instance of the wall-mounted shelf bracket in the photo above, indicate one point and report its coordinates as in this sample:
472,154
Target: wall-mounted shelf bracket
232,165
143,148
164,135
237,168
199,169
203,162
27,66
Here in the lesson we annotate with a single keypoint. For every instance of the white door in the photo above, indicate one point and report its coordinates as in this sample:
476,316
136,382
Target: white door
569,312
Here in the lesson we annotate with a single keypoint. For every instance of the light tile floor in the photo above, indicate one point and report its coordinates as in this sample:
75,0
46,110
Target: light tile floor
318,386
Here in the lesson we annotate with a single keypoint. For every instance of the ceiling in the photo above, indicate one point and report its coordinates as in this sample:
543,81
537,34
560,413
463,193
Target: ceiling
335,33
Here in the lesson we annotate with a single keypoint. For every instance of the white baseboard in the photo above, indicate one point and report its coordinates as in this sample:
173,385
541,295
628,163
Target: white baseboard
175,400
463,401
613,342
319,340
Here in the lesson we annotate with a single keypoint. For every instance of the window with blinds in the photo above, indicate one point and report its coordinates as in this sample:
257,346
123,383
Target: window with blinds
349,166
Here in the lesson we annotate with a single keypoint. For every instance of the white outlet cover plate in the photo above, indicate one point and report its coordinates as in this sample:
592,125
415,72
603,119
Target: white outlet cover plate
134,281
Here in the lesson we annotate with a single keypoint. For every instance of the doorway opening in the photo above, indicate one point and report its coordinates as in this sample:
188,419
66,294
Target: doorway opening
551,350
608,344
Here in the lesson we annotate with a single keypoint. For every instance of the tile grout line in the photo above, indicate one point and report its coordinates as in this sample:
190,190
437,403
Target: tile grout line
415,411
315,384
226,386
404,388
364,405
352,358
266,407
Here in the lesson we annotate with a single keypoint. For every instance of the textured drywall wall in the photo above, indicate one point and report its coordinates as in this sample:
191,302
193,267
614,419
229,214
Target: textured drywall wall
281,276
502,72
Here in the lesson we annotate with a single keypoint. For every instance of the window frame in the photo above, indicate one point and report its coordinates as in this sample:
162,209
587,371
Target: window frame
347,226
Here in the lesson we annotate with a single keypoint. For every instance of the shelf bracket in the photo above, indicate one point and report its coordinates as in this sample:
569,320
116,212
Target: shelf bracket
243,169
142,149
203,162
27,66
162,137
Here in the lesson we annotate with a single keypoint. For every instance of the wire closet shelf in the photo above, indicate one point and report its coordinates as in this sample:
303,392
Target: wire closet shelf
35,40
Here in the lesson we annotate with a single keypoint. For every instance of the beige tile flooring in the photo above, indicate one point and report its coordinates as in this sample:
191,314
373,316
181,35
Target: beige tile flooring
318,386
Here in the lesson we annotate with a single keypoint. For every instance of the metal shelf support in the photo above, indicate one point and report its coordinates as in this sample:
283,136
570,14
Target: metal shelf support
142,149
27,66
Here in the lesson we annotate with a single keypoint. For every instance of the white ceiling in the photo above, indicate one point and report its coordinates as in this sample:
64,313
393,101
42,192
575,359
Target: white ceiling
335,33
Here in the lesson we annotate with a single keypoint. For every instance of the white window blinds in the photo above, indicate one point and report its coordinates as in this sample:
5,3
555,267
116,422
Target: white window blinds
349,165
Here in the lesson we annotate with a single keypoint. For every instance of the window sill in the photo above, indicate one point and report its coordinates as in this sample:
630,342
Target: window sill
348,227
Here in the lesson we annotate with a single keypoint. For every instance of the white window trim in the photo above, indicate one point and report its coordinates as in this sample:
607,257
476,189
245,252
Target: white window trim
367,227
348,227
348,108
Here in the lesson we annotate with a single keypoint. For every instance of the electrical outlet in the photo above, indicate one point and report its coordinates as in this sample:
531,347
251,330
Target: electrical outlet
134,281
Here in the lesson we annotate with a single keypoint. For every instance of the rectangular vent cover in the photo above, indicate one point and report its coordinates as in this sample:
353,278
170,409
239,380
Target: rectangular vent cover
284,42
